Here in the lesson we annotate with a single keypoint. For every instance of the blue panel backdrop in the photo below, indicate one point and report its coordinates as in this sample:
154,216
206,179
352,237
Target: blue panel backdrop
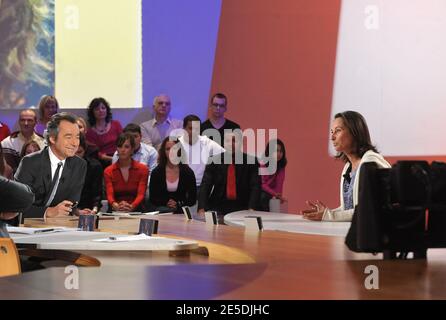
179,41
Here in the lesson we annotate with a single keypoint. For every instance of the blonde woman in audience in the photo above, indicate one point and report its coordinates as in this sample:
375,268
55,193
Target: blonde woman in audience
91,150
82,125
48,106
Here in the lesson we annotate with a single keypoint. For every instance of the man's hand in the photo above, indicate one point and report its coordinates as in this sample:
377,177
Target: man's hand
62,209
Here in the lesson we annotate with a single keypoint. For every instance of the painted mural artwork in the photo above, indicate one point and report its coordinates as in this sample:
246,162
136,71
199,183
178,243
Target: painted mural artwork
26,52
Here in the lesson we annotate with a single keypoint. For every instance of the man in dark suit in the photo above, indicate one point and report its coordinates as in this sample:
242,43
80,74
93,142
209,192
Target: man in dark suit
14,198
233,177
55,174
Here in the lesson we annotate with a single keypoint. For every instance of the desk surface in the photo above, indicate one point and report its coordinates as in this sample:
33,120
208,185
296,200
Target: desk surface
289,222
284,265
83,240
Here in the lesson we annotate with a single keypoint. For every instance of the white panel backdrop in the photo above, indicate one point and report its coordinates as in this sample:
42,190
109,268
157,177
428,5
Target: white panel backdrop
391,67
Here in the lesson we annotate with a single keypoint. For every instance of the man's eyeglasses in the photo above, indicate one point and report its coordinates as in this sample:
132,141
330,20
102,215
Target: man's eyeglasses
219,105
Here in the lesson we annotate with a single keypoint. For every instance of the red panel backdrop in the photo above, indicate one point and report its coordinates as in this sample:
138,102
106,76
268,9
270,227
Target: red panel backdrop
275,61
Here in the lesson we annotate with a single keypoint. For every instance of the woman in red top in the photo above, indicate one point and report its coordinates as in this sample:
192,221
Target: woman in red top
126,180
104,131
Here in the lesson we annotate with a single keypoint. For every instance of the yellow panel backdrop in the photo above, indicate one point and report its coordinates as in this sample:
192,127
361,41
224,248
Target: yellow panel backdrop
98,52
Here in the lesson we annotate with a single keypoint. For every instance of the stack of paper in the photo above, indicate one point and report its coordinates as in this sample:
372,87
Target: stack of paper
127,214
137,237
26,230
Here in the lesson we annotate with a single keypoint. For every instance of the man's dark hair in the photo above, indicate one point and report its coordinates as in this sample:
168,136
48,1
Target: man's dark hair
220,96
189,118
52,127
132,128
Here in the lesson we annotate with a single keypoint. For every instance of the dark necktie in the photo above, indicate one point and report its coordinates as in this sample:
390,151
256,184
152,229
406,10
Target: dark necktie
54,183
231,188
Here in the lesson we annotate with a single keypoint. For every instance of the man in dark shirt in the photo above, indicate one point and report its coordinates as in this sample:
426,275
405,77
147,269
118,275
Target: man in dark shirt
231,181
217,120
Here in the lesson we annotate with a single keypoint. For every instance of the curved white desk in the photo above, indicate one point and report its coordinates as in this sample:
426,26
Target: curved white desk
289,222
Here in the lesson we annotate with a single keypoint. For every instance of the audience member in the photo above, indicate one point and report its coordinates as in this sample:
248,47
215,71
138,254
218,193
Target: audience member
82,125
5,169
92,149
12,145
231,181
272,184
161,126
172,183
103,130
48,106
217,120
90,201
126,180
143,153
198,149
29,147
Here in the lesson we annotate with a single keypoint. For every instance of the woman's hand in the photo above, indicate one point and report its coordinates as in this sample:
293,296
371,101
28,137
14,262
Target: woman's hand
316,212
172,204
281,197
115,206
125,206
85,211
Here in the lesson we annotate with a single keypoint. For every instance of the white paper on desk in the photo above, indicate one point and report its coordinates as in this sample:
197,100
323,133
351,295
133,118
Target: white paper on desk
121,214
27,230
152,213
137,237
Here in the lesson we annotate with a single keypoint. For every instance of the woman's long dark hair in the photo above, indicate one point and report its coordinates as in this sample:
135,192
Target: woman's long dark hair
282,162
357,126
95,103
123,137
162,158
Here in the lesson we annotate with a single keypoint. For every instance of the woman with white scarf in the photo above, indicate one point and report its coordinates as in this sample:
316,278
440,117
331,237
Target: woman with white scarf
351,140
